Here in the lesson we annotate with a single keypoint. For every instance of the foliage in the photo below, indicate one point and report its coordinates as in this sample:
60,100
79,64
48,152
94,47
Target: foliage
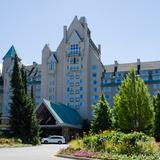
23,120
10,141
118,143
133,109
101,116
17,100
86,126
157,117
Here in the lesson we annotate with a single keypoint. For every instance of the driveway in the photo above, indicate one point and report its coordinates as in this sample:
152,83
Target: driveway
42,152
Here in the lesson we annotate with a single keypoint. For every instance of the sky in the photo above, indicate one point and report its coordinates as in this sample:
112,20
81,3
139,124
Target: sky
126,29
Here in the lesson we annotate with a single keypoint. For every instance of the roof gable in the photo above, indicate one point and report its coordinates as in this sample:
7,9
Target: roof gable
76,25
63,114
74,37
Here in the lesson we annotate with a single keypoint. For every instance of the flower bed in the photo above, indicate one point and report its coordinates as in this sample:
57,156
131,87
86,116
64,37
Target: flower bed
115,145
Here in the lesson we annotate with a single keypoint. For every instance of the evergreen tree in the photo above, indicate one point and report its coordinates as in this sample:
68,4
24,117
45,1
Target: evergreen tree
24,78
31,124
133,107
157,117
16,105
101,116
32,93
23,120
85,126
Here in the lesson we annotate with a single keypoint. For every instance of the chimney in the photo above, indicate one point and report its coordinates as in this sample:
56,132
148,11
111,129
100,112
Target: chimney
65,33
83,20
138,66
116,63
115,68
99,49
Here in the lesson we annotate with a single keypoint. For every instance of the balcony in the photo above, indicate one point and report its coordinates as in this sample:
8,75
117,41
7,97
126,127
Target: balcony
73,54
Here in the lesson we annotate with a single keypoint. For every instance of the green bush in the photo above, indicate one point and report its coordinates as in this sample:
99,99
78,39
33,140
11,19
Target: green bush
119,143
10,141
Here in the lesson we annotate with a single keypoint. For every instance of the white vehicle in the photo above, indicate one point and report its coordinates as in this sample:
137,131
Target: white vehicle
53,139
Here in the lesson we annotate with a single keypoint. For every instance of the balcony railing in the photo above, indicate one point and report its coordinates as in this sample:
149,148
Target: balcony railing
73,53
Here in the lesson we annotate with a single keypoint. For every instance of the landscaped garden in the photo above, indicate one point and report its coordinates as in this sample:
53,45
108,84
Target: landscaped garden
114,145
128,130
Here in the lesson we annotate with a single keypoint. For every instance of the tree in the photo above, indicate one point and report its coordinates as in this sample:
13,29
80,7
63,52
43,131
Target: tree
24,78
23,121
101,116
157,117
133,107
16,105
31,131
86,126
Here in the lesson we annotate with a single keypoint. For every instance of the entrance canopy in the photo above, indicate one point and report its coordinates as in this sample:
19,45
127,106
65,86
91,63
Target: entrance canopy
57,115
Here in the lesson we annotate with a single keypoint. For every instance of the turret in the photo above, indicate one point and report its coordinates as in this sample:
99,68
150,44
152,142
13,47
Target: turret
8,59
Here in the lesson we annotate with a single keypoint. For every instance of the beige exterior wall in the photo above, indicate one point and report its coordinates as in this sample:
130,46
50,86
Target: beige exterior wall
74,83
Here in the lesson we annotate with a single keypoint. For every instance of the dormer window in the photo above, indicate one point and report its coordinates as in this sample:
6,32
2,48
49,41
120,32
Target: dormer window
51,63
51,66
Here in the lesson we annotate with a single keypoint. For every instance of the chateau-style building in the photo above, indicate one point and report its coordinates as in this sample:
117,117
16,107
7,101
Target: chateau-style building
70,80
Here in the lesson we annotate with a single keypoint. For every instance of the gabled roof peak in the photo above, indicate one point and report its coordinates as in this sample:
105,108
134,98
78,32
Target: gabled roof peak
11,53
46,47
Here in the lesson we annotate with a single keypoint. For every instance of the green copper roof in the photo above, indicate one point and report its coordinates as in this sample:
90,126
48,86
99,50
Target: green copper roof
11,53
65,115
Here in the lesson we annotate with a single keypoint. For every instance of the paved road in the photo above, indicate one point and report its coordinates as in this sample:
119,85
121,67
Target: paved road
42,152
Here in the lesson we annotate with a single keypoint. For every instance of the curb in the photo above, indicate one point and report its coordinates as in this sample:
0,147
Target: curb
73,157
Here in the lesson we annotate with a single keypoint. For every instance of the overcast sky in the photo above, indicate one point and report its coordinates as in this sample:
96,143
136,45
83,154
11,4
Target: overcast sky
126,29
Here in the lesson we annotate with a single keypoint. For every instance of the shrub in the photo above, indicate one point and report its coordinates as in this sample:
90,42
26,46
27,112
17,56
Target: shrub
10,141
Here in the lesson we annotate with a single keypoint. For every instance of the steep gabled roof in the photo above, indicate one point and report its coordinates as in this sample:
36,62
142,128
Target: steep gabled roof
11,53
63,114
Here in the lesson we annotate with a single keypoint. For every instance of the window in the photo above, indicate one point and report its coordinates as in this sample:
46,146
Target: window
71,76
156,77
77,91
145,78
71,91
156,86
94,67
94,75
95,89
71,84
94,82
77,83
71,99
81,88
77,99
118,80
107,89
96,97
51,66
74,47
77,76
74,50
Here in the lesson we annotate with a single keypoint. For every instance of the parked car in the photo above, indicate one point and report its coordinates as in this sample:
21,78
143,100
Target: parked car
53,139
